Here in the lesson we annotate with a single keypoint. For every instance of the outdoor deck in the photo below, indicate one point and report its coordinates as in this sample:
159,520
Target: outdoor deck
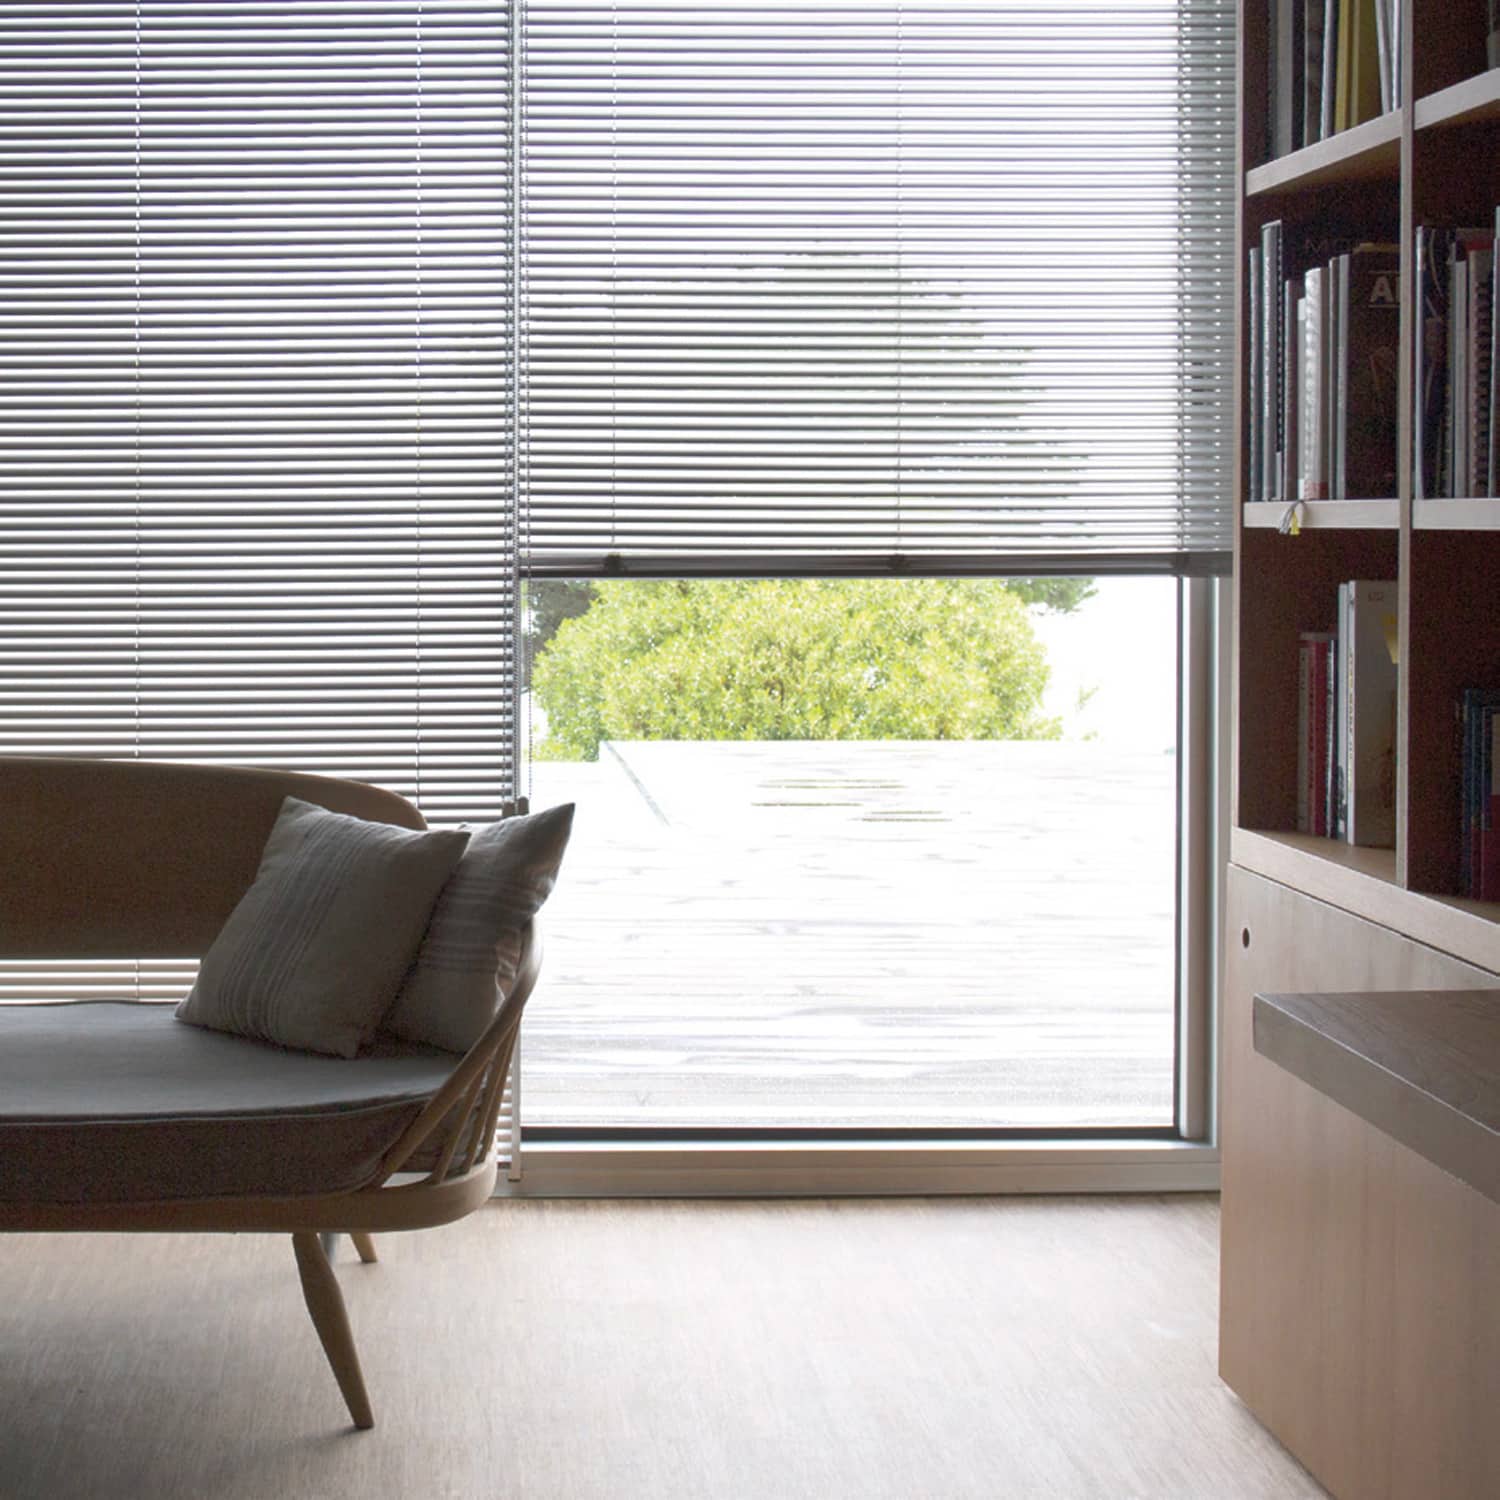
973,934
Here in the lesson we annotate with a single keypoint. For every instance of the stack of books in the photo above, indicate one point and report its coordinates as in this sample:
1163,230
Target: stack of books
1346,719
1456,441
1479,722
1333,64
1324,356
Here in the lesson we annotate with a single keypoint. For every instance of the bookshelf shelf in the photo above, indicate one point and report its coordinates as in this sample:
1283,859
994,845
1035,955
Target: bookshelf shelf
1367,153
1328,515
1456,515
1466,103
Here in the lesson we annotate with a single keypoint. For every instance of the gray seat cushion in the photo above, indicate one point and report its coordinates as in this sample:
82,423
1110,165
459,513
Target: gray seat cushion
114,1102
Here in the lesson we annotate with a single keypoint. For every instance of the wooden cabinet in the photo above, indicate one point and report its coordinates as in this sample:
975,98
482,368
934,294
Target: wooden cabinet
1360,1306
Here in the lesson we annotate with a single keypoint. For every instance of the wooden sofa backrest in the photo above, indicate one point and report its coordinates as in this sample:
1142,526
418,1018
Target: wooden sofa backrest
143,859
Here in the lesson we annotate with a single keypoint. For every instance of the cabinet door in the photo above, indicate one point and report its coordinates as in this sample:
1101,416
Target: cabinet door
1360,1285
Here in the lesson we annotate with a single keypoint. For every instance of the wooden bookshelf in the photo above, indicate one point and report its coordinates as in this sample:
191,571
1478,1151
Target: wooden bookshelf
1305,914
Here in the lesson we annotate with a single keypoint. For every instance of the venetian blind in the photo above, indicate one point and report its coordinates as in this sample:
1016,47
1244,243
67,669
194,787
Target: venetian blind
936,287
255,399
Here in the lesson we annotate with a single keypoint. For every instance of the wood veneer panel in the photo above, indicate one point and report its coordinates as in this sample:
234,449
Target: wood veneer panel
1360,1285
1421,1065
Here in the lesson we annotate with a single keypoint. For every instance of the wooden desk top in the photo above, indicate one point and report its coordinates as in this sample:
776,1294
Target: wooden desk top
1421,1065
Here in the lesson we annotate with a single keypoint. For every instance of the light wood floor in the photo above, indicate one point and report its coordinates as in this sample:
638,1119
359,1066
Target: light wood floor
988,1348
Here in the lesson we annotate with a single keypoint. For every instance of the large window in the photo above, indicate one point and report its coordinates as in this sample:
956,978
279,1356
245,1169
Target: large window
790,907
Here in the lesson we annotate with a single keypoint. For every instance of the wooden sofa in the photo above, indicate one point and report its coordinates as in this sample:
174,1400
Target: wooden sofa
115,1116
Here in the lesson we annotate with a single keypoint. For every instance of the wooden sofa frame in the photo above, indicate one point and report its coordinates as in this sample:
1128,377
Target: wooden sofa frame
142,859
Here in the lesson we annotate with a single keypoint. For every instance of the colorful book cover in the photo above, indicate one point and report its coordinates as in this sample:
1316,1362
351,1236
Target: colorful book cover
1371,340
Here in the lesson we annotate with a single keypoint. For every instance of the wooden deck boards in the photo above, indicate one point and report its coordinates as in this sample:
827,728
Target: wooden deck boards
975,935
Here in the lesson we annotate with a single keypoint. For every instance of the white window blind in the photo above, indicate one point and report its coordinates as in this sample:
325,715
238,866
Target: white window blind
255,394
256,409
936,287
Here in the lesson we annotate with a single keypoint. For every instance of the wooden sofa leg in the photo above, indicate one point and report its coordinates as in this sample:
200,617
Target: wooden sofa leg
320,1290
365,1244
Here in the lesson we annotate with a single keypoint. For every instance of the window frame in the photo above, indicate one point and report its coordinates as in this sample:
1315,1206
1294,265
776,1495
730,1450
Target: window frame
645,1161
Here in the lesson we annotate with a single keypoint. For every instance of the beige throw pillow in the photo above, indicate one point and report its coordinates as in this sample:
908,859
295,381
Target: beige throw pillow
468,959
316,949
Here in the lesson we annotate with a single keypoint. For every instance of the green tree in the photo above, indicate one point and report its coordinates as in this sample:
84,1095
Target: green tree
804,659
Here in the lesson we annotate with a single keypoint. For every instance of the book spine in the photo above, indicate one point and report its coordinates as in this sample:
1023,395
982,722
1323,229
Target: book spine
1372,339
1256,292
1271,333
1341,720
1291,391
1286,76
1330,719
1342,68
1432,303
1370,767
1338,410
1326,127
1489,861
1312,731
1364,62
1466,711
1314,398
1307,721
1454,437
1492,396
1383,51
1397,87
1314,22
1481,273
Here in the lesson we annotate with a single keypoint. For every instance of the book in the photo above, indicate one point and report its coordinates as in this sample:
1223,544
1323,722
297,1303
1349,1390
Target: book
1330,64
1398,86
1431,361
1255,402
1470,269
1291,389
1456,417
1364,64
1272,300
1338,802
1336,380
1314,662
1492,457
1368,636
1313,442
1368,356
1286,65
1342,67
1479,330
1492,42
1314,28
1479,859
1384,51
